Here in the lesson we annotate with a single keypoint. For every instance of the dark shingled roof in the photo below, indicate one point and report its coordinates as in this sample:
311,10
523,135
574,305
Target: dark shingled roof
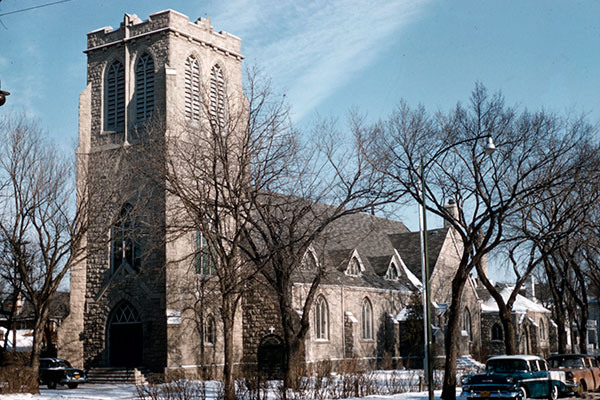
408,245
59,307
375,240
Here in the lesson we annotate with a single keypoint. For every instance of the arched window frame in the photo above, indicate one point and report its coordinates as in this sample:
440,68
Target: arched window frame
210,331
205,256
114,97
496,332
144,87
124,246
542,329
124,313
193,89
321,318
354,267
367,319
392,272
217,97
309,261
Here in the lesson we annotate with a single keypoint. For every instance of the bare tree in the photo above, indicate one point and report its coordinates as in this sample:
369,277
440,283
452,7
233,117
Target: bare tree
325,179
43,226
487,190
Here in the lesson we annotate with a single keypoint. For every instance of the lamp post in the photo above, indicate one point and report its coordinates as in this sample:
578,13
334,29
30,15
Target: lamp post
428,362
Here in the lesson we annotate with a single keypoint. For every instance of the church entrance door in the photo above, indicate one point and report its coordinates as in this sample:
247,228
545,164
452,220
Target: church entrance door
125,337
271,357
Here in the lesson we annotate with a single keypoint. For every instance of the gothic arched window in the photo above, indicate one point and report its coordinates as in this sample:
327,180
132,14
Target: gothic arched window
217,97
496,332
144,87
309,262
353,267
205,255
210,330
392,272
192,89
367,319
542,329
114,97
321,319
124,247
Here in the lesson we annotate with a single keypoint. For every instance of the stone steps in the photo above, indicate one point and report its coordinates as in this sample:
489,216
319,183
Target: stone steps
135,376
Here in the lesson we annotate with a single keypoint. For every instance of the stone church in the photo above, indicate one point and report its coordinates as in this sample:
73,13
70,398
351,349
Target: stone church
127,309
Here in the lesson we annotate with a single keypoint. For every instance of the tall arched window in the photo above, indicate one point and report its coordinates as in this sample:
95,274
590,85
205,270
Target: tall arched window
321,318
124,247
144,87
217,96
542,329
496,332
192,89
467,323
367,319
114,97
205,255
210,330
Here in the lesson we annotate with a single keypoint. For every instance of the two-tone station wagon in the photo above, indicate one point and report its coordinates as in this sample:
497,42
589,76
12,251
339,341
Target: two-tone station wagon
516,377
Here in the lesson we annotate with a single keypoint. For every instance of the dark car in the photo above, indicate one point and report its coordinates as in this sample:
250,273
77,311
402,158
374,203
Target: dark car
54,371
516,377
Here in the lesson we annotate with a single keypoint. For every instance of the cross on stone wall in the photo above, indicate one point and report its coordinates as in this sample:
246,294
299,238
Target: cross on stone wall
271,329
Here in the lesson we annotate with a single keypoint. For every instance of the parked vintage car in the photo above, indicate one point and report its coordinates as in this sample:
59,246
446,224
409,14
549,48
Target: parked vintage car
516,377
54,371
582,369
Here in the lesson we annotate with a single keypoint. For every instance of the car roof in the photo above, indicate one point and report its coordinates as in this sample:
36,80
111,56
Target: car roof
516,357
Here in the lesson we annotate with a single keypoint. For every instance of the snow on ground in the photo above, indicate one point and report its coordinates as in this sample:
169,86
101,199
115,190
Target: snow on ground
109,392
113,391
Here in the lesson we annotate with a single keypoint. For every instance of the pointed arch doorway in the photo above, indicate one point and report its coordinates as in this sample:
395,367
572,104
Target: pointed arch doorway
125,337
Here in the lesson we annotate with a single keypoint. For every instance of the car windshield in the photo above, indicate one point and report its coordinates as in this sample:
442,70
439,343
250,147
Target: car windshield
506,365
566,363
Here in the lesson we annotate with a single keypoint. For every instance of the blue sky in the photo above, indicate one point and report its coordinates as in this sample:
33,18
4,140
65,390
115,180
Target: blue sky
328,56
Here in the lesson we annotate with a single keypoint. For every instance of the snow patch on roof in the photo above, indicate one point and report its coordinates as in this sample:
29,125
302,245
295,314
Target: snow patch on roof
522,304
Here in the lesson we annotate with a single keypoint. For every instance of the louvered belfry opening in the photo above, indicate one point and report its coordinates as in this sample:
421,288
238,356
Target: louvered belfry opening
217,96
192,89
115,97
144,87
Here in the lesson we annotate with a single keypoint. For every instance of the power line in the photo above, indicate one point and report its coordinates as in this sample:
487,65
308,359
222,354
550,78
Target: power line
33,8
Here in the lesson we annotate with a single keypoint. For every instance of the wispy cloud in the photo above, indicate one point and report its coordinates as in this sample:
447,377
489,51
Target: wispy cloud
312,48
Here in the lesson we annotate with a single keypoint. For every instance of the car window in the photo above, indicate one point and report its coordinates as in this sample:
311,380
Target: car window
560,362
594,362
506,365
534,366
543,365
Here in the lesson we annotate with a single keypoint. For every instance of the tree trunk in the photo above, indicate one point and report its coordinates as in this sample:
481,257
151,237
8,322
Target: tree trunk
560,330
451,340
510,340
228,317
38,332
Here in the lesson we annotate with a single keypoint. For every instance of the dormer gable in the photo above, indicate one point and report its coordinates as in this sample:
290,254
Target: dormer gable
392,273
416,282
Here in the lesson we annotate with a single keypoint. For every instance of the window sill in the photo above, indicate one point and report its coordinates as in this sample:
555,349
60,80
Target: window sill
322,340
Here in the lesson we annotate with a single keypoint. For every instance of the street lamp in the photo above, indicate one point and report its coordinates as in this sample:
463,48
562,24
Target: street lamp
428,362
3,95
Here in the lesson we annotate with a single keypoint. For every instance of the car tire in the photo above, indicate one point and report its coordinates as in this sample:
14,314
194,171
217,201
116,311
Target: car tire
74,386
553,393
581,390
523,395
51,385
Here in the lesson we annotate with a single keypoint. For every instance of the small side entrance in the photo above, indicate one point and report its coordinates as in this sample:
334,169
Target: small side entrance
271,357
125,337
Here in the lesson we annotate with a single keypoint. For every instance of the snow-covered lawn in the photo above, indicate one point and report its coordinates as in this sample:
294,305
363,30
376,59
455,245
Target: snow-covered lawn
109,392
